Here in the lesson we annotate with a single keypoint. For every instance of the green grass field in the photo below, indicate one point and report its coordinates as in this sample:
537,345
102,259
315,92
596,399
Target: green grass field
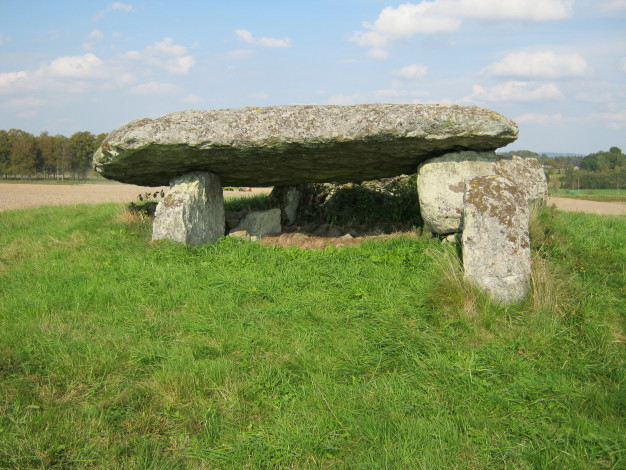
592,194
119,353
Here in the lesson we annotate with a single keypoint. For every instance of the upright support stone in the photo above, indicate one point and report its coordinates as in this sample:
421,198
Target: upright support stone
192,211
287,199
441,183
496,247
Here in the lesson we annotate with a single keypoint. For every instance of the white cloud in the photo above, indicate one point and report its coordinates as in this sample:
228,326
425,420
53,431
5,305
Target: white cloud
166,55
594,97
447,16
538,118
388,95
85,66
94,37
151,88
71,74
612,120
116,6
612,5
165,48
516,91
540,65
124,8
28,102
9,81
512,10
411,72
622,65
248,37
238,54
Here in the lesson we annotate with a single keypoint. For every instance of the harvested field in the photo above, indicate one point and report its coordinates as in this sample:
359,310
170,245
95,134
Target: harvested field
588,207
22,196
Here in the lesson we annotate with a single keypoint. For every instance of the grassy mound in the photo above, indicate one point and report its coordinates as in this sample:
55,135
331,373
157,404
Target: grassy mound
119,353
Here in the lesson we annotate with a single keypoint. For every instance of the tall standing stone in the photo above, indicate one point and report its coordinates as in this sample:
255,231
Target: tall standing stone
192,211
496,247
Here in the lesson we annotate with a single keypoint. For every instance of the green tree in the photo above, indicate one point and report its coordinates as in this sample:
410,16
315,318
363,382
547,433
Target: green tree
61,155
23,160
5,153
46,164
82,147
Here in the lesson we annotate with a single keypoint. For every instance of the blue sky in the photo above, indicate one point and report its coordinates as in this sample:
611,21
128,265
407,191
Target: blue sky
557,67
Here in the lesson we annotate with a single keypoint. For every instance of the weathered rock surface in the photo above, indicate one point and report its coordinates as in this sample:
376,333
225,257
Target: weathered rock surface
192,211
528,175
287,199
260,223
496,248
441,183
288,145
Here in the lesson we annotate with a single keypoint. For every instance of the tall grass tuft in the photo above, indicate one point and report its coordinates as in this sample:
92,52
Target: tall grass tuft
452,292
552,287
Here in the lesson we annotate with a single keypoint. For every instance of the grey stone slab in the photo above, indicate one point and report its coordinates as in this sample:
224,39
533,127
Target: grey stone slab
496,246
289,145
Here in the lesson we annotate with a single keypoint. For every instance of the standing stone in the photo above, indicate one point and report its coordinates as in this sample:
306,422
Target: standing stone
441,181
260,223
528,175
496,247
192,211
287,199
440,186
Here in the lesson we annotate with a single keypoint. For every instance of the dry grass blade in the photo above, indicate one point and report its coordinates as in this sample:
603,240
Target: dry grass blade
453,293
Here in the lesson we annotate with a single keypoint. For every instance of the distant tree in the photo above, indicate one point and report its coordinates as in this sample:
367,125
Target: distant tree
5,153
23,160
61,155
602,161
82,145
46,163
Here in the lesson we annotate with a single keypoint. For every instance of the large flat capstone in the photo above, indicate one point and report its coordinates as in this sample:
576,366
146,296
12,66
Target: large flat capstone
288,145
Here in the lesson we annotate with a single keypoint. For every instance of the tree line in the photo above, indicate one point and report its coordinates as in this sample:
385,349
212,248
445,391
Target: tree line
24,155
599,170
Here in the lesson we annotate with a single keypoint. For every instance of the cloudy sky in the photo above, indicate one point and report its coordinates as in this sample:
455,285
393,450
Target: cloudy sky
557,67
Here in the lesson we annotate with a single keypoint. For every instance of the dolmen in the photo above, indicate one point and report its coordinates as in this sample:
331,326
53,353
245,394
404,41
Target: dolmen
463,187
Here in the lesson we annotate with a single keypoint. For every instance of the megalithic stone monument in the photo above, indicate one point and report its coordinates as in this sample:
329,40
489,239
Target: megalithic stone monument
197,151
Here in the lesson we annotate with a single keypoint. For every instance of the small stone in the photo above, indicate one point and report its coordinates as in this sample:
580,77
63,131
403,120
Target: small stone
496,247
261,223
240,234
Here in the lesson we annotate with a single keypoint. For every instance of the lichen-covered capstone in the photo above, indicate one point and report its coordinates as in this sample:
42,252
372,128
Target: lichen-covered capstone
496,247
192,211
289,145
